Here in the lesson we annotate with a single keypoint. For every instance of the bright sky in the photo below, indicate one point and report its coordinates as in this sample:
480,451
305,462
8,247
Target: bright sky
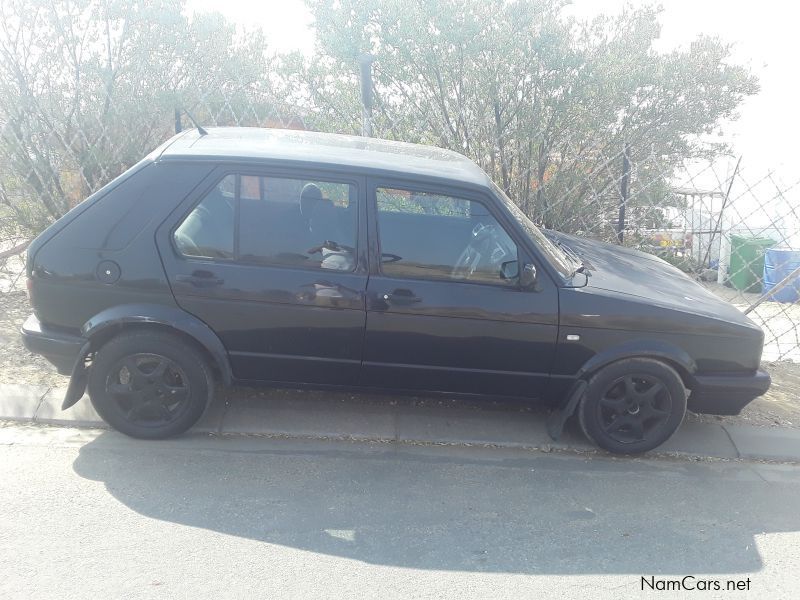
764,34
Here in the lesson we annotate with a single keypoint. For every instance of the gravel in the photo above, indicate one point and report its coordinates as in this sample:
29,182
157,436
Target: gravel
17,365
780,407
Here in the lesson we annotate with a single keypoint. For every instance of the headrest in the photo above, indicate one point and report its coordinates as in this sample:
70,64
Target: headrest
309,197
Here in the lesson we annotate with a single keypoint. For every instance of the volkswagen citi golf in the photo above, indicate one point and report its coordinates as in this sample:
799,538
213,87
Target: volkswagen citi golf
305,259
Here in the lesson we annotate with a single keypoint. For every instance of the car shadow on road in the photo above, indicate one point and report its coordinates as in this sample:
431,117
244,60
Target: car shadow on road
456,508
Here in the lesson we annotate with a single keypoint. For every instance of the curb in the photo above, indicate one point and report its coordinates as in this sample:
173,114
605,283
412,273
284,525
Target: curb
389,421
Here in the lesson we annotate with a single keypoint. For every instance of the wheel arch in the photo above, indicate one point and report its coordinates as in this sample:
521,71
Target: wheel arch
127,317
669,354
672,355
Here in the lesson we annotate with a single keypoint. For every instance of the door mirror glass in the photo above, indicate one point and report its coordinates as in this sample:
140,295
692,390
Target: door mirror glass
527,278
509,269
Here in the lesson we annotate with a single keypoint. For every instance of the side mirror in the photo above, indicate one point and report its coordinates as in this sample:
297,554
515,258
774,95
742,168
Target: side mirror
528,277
509,269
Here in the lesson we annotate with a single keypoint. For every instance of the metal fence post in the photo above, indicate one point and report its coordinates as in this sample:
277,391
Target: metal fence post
718,224
365,63
623,200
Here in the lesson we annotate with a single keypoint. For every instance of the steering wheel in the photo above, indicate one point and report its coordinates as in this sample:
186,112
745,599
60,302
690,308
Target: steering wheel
471,256
466,264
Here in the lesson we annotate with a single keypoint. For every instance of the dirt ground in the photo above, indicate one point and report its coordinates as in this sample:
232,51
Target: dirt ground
17,365
780,407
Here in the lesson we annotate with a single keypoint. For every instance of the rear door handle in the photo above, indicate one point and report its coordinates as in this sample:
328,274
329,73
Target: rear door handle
401,297
200,279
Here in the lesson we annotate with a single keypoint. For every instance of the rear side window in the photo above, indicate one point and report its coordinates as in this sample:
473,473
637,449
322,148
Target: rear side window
274,221
208,230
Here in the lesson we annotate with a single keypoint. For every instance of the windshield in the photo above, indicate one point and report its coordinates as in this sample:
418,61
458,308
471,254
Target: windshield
552,253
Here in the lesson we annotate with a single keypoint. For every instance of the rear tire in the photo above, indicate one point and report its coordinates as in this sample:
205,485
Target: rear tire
149,384
632,406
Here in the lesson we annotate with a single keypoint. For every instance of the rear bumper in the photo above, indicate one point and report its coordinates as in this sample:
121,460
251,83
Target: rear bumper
61,349
727,394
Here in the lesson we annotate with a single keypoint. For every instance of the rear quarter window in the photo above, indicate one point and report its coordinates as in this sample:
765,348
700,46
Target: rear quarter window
115,219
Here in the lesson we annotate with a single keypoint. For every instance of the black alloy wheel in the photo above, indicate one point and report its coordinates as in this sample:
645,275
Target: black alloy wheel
633,405
150,384
150,389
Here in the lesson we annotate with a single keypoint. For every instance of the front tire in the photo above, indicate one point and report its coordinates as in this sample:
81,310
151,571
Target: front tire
632,406
150,385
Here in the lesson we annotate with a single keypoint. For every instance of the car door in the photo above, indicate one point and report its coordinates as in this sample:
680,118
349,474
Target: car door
445,311
273,261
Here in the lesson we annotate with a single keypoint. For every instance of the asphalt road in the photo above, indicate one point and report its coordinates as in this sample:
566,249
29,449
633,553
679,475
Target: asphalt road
96,515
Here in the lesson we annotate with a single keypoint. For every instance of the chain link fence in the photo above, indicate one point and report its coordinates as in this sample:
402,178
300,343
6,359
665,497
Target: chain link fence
69,124
734,231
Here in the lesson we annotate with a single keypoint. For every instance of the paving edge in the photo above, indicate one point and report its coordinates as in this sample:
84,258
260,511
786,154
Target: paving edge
699,440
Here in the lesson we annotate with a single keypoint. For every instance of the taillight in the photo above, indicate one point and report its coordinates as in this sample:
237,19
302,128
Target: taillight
29,288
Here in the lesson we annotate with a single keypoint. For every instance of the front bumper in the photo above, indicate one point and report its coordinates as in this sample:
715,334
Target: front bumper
60,348
727,394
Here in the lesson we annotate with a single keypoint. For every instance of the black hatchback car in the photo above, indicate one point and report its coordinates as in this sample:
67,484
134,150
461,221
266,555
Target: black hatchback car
307,259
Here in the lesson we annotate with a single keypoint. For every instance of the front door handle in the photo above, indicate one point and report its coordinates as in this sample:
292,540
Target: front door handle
200,279
401,297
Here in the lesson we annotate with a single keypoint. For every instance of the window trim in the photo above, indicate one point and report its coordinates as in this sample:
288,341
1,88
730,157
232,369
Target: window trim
278,172
237,213
377,183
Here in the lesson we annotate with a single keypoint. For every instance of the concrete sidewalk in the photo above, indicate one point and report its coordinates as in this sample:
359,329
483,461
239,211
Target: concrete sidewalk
315,415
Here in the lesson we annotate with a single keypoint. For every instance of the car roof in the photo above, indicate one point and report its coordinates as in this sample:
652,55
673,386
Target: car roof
232,143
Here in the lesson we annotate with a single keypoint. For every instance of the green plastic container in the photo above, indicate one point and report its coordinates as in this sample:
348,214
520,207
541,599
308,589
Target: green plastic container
747,262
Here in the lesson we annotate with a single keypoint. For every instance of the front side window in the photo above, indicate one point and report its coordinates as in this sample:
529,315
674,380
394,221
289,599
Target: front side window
436,236
556,257
274,221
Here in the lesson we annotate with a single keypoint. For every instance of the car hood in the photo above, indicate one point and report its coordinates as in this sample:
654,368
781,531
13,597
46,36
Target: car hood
635,273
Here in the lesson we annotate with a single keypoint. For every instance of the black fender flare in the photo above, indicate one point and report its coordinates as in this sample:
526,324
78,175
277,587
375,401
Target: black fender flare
117,317
643,348
168,316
